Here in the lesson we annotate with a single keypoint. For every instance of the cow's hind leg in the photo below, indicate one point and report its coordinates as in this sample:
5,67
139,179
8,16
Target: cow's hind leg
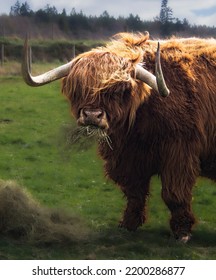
178,199
208,167
135,212
182,218
180,169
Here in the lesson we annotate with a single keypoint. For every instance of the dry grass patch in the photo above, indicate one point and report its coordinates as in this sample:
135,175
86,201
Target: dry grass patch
21,217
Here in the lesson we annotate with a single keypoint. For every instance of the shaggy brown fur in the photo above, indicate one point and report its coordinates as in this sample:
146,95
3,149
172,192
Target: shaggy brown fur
173,137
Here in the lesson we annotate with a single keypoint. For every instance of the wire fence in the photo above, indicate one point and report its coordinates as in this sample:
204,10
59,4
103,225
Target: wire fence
9,52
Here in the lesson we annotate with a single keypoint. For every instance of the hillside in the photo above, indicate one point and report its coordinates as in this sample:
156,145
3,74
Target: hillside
52,25
54,36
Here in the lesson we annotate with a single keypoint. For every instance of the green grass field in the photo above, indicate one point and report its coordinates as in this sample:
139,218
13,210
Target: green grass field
32,153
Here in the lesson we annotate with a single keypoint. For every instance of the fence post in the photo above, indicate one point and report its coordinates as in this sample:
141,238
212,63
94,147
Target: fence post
74,51
2,54
30,58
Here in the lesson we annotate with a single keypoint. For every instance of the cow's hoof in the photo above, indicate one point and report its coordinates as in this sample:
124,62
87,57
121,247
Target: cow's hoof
129,227
184,239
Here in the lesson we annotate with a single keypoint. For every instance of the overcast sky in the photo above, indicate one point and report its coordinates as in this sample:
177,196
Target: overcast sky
196,11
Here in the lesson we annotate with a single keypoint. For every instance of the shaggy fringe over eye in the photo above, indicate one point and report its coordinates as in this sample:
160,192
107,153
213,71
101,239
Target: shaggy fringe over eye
103,67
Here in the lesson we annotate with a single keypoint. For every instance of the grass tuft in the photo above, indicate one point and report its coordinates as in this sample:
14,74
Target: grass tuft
21,217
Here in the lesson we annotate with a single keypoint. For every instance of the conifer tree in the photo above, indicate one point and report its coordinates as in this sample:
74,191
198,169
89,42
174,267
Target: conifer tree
166,13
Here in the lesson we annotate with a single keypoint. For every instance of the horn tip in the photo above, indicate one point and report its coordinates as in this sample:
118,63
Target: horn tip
158,46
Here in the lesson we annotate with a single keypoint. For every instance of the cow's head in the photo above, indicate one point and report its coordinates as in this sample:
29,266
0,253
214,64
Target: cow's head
105,86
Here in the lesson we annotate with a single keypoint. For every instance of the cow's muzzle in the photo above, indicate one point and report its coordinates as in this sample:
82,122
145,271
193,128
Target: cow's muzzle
93,117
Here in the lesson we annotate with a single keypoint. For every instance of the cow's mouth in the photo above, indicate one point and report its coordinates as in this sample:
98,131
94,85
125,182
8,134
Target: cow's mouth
94,123
93,119
99,134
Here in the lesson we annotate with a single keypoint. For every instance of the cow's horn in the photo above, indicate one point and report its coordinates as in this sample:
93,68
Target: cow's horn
156,82
48,77
162,87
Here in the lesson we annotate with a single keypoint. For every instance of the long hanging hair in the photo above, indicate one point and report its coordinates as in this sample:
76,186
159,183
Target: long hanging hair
109,67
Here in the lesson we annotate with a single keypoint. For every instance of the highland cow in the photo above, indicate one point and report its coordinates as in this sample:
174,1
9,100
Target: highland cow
149,128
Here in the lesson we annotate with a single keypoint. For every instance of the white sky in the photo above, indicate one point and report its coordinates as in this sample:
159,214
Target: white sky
195,11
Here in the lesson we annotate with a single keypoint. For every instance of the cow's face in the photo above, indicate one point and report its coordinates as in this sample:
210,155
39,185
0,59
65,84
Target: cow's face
106,85
103,92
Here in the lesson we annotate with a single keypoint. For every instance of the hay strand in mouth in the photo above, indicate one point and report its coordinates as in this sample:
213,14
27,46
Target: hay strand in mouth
103,137
84,137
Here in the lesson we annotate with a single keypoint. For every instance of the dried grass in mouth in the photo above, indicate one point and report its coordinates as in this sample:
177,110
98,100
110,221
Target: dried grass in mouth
82,138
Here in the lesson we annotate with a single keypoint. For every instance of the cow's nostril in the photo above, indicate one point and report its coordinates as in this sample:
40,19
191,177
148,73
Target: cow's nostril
93,117
92,113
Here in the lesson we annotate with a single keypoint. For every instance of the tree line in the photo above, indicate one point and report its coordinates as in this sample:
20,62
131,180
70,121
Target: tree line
78,25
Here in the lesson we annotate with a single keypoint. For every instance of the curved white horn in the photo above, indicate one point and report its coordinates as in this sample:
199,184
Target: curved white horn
146,77
162,87
48,77
156,82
